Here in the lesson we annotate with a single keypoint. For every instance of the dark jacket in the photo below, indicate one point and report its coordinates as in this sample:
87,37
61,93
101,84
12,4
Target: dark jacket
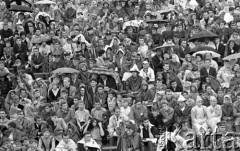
204,73
133,141
182,115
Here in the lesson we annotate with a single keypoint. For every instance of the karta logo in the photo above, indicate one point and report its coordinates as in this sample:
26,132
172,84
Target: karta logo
228,141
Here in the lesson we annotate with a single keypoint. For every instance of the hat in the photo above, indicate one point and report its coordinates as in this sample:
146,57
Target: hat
61,23
143,32
120,50
181,99
222,123
145,62
101,52
134,68
90,28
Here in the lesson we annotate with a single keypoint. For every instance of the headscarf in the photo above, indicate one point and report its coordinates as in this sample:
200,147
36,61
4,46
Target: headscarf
227,96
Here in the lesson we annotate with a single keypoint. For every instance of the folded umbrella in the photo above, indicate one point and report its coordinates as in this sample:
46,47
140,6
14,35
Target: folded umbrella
203,34
214,54
232,56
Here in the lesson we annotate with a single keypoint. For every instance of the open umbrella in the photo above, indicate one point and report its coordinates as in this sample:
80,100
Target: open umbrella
214,54
232,56
203,34
134,23
106,72
201,48
157,21
64,70
45,2
19,8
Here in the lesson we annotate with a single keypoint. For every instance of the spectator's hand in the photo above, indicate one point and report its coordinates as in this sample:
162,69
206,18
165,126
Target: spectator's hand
17,54
106,89
141,127
164,120
100,124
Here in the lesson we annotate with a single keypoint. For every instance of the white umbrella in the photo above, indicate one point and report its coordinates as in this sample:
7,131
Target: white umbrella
232,56
44,2
214,54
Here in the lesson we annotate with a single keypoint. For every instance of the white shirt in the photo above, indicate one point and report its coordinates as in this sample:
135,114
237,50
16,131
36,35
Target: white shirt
150,74
125,111
143,50
214,65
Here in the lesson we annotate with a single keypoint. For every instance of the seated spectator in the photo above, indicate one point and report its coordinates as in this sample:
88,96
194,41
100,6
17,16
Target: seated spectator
182,111
54,93
111,100
227,112
87,143
214,113
57,126
82,116
66,143
66,85
98,111
155,118
125,108
130,139
12,133
95,128
147,130
199,116
66,113
36,61
168,115
101,96
47,141
138,111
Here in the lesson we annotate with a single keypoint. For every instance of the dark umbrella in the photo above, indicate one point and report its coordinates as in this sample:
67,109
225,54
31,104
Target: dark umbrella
19,8
201,48
203,34
215,84
157,21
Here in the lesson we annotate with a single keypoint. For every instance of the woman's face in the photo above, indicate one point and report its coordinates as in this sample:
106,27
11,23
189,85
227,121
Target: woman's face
12,94
199,58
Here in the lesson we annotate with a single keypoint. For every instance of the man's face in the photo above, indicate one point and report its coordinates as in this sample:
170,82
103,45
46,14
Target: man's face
213,102
100,90
138,104
141,41
38,32
36,52
117,112
166,67
81,106
87,137
98,105
129,131
18,41
174,84
66,83
207,63
93,83
146,123
145,65
165,106
66,139
205,15
5,27
2,114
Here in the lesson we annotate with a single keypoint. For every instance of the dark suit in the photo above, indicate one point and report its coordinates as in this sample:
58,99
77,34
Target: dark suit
221,49
119,64
76,83
111,83
156,63
21,50
205,73
182,115
17,135
178,88
37,60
